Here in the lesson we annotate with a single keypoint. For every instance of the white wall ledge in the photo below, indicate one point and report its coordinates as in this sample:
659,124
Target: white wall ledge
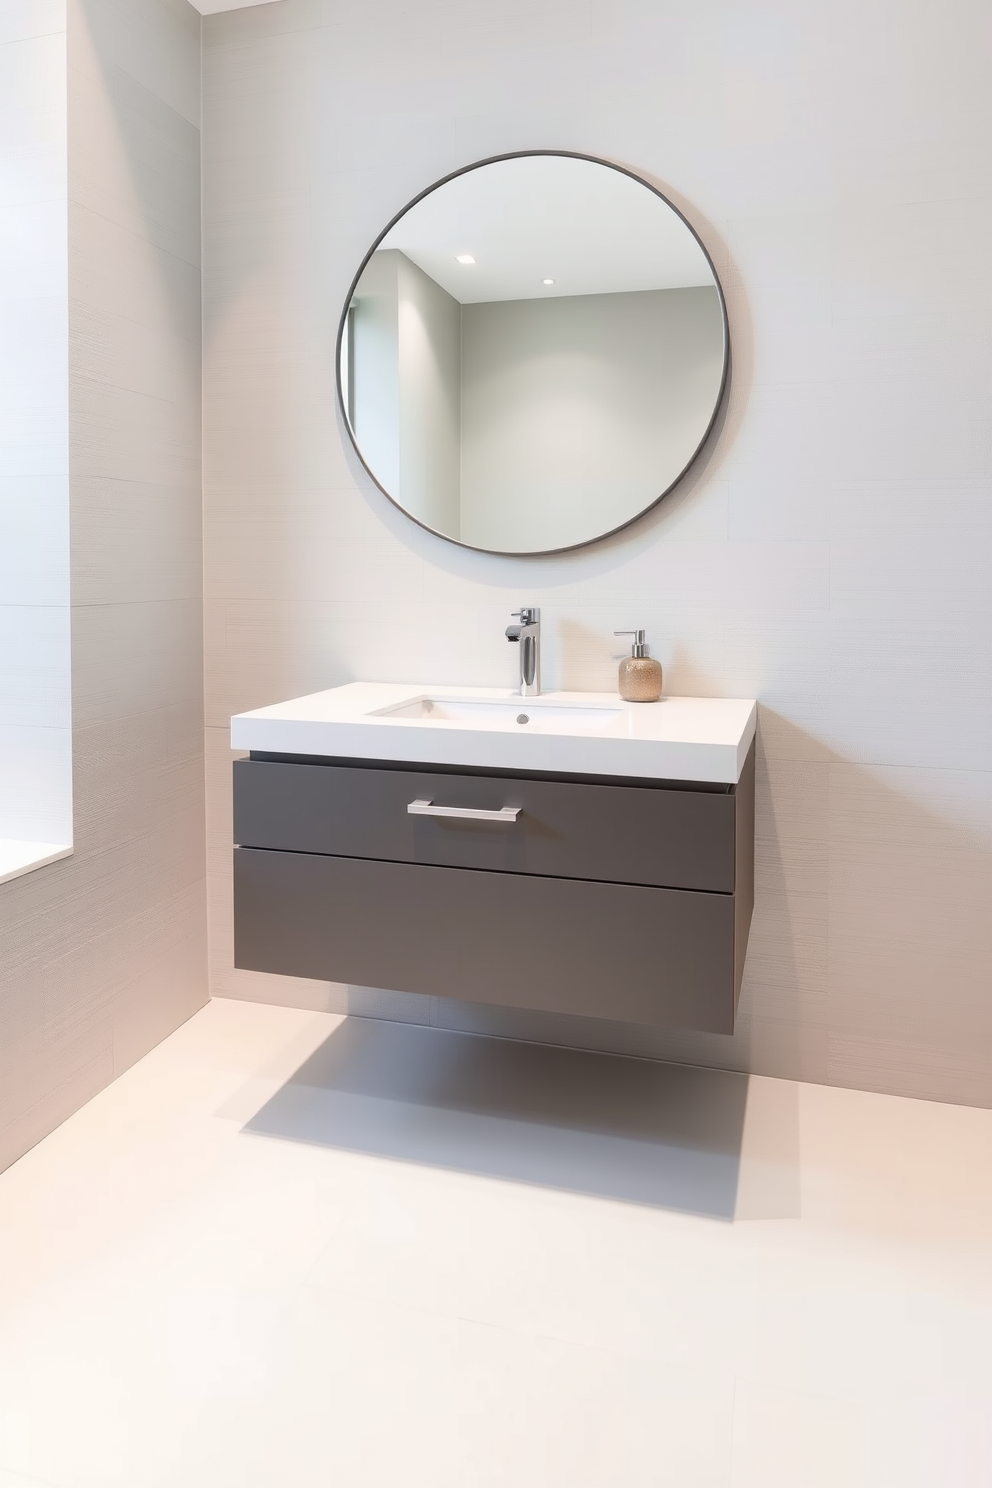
17,857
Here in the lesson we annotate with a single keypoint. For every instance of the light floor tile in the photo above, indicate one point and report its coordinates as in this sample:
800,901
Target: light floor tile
285,1251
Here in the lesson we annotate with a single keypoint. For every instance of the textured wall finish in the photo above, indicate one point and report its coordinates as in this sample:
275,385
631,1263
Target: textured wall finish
828,556
103,954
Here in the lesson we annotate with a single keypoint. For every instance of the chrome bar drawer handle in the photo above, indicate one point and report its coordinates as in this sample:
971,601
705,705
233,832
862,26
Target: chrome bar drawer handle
467,813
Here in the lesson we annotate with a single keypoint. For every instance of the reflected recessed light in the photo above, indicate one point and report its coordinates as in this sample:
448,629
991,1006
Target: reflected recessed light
547,281
464,258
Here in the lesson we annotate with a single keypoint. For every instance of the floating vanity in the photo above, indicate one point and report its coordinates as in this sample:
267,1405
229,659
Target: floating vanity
568,853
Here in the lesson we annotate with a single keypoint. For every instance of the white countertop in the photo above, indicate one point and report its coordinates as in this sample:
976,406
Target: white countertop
699,739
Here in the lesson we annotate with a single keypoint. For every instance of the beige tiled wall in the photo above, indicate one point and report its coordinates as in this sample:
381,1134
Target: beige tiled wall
103,954
829,556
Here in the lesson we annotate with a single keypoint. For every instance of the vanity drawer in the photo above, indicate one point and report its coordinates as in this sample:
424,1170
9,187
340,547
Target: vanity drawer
634,834
635,954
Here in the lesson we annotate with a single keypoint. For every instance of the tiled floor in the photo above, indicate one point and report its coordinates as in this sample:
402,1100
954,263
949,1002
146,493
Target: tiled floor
290,1251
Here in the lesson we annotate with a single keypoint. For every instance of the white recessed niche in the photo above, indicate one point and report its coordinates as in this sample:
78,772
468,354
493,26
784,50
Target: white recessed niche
35,699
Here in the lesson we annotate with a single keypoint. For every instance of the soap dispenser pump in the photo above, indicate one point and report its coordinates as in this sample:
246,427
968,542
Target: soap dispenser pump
639,679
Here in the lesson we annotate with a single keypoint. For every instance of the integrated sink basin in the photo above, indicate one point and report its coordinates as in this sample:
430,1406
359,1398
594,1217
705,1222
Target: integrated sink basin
532,714
565,733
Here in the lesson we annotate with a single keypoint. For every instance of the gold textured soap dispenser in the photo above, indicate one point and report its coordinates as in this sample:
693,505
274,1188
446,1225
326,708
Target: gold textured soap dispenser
639,679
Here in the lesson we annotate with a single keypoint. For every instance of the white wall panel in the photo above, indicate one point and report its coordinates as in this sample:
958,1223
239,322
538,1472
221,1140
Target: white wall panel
830,553
35,742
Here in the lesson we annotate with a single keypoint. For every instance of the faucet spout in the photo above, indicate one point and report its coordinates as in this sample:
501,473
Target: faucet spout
528,636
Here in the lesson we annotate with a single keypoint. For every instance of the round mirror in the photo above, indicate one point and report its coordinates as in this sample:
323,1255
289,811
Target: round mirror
532,353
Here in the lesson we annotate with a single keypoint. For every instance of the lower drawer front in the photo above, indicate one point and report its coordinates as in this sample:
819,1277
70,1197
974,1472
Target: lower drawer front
635,954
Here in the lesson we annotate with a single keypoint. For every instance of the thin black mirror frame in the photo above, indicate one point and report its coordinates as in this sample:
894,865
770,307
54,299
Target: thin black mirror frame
717,402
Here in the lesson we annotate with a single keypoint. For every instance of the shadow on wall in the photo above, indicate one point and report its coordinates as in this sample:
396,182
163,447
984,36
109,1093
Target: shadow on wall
157,150
626,1129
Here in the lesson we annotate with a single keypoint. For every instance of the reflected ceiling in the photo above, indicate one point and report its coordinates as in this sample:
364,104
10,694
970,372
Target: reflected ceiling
527,220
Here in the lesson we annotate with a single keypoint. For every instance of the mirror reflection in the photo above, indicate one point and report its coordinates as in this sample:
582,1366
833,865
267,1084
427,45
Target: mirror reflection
533,353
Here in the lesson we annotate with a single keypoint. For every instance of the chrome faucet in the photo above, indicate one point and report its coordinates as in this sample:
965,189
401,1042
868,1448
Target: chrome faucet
528,634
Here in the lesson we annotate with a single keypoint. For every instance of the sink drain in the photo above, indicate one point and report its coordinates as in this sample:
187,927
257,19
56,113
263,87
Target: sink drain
523,718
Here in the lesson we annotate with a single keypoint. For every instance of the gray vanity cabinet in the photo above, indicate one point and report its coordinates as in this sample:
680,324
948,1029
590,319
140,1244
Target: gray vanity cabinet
609,899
